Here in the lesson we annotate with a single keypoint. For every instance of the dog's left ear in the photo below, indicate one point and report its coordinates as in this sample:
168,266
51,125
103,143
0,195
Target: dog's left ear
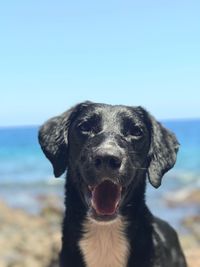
53,138
163,150
53,141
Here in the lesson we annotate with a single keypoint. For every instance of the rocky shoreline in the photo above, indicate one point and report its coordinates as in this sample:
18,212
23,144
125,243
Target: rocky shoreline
190,240
27,240
34,240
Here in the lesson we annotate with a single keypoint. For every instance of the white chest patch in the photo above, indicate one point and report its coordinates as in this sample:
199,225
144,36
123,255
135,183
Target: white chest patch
104,244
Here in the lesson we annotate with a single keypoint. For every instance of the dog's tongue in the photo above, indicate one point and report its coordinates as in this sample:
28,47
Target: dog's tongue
105,198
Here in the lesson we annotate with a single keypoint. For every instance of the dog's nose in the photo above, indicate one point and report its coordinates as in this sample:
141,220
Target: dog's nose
107,161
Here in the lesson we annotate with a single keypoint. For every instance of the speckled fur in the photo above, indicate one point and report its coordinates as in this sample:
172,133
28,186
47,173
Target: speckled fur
136,238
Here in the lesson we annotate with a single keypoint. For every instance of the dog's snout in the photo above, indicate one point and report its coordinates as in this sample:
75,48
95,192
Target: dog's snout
108,161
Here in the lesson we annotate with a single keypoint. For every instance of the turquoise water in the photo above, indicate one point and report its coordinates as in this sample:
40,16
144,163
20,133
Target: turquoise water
21,159
188,134
25,172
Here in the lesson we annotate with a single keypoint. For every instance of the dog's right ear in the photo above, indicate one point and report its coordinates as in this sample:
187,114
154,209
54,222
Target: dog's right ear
53,138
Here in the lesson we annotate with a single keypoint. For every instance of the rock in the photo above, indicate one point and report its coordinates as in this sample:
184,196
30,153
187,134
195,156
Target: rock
27,240
192,223
193,257
183,197
191,240
191,249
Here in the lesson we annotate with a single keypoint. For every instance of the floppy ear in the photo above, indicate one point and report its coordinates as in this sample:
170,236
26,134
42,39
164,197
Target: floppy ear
53,138
53,141
162,154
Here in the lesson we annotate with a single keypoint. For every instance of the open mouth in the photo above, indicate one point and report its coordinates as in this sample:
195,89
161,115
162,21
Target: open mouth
105,198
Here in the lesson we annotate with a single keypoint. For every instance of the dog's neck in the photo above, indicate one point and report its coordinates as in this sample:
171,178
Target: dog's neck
105,244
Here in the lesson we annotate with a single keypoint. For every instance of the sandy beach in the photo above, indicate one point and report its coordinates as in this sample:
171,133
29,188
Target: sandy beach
34,240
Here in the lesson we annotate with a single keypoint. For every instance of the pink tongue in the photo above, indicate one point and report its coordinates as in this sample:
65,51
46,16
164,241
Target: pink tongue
105,198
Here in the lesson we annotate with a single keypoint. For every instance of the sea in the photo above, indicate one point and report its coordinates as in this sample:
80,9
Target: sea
25,173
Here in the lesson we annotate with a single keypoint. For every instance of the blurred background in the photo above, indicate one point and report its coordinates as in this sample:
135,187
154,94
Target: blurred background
54,54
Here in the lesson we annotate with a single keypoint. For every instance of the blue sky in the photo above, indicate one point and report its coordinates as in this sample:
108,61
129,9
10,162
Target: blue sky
54,54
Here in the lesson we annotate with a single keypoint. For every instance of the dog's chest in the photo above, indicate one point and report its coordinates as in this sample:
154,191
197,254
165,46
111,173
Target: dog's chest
104,245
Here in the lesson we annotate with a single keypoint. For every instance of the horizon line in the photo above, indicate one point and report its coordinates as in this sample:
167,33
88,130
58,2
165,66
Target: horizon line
38,125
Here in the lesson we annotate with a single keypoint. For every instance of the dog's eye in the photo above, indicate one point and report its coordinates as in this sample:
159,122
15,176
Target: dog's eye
85,127
88,127
133,130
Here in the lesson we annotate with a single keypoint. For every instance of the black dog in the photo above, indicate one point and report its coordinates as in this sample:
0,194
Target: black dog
108,152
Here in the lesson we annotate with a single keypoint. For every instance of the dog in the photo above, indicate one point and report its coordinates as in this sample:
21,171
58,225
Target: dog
108,152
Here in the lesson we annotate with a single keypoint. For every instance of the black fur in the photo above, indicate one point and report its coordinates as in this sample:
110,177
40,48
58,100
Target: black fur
139,147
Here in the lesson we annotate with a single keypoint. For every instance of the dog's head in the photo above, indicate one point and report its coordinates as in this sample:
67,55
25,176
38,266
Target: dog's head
107,150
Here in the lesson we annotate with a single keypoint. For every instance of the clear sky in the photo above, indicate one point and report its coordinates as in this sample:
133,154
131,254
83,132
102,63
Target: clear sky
54,54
